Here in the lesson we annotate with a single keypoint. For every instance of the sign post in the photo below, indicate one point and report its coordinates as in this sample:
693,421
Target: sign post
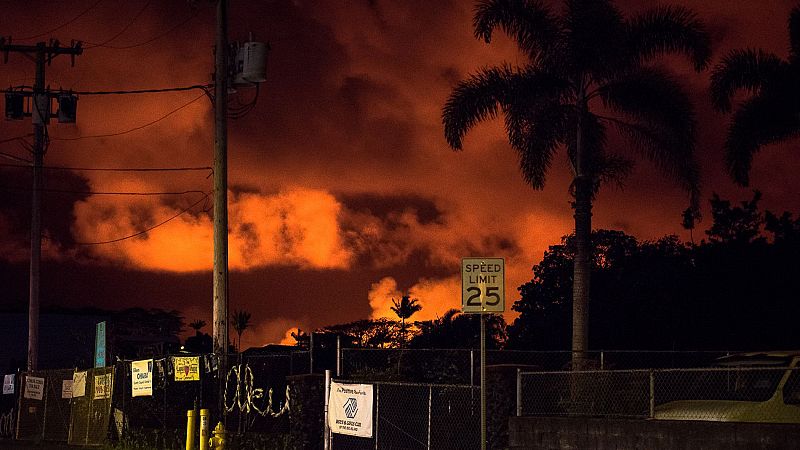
483,291
100,345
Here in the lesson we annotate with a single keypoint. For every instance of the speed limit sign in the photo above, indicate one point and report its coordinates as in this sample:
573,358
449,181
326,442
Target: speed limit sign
483,285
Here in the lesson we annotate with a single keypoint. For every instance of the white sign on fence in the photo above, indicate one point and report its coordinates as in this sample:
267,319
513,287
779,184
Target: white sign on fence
66,388
8,384
34,387
78,384
350,409
102,386
142,378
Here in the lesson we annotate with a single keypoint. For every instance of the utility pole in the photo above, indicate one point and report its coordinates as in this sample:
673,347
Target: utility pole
220,276
40,113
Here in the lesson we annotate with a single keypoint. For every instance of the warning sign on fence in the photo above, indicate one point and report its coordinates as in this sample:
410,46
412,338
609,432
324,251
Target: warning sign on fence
78,384
8,384
66,388
102,386
142,378
187,368
34,387
350,409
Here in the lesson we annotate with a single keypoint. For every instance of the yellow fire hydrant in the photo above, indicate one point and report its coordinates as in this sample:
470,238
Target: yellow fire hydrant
217,440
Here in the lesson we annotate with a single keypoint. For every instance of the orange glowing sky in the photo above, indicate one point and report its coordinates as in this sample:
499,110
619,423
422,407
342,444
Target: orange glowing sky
343,192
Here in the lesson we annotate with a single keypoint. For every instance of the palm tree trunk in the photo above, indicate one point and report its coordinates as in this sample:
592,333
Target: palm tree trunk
583,247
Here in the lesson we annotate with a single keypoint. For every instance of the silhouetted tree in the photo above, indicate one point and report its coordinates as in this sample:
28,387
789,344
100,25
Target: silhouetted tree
405,308
772,113
689,219
197,325
457,330
737,291
301,339
587,71
740,224
240,321
368,333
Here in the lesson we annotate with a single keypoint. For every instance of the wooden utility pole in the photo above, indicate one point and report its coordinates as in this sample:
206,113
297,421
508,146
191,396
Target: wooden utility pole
36,209
220,276
40,113
221,183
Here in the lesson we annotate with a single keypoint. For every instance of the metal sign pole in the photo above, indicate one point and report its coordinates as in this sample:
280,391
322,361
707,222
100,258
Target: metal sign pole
483,383
326,430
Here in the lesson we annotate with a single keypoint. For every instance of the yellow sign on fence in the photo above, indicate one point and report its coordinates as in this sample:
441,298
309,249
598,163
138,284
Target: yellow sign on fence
187,368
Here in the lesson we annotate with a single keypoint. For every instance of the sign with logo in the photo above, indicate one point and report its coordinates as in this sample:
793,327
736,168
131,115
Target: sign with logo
34,387
100,345
8,384
350,409
78,384
483,285
187,368
142,378
102,386
66,388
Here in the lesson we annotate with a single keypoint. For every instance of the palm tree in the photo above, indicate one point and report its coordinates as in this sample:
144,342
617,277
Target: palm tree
241,321
587,71
772,113
197,325
405,308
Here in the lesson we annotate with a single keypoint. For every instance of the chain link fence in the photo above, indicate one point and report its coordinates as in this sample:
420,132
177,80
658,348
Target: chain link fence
44,411
740,394
91,412
420,416
462,366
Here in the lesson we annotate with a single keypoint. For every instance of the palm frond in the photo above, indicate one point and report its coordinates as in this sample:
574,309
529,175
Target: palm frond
669,29
529,22
476,99
653,95
674,157
535,134
612,168
794,34
743,69
595,32
761,120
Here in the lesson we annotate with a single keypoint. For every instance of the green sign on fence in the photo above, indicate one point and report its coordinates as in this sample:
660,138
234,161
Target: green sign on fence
100,345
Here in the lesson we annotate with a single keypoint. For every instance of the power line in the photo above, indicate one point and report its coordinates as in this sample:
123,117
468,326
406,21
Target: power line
154,38
68,191
183,211
16,138
64,24
203,87
110,169
16,158
125,28
132,129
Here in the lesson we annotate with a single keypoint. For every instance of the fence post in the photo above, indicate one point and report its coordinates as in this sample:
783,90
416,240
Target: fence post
602,360
652,394
338,355
311,353
519,392
430,411
46,387
472,367
326,428
377,412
